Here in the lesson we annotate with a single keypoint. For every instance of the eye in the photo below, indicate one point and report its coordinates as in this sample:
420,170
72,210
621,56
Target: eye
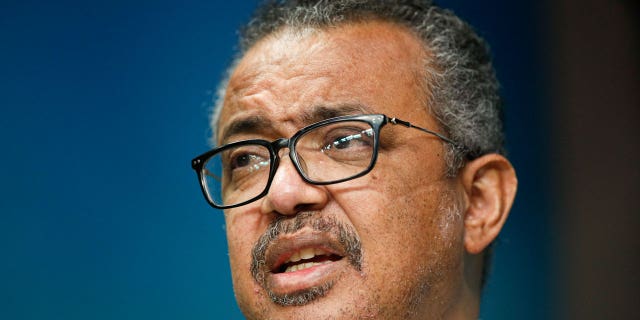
244,160
348,139
248,161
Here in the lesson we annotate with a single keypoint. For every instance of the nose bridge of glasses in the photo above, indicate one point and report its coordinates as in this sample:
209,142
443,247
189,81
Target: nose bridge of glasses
280,144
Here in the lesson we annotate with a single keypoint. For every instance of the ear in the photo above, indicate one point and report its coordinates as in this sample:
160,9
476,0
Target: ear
489,184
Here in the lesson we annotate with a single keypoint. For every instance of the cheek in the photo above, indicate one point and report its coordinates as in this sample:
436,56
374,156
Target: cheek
400,198
243,230
391,213
405,224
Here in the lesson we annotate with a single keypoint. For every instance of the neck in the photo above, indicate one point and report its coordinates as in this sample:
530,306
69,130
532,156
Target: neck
468,302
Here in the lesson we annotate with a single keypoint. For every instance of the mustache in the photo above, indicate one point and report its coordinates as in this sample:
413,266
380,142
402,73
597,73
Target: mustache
282,225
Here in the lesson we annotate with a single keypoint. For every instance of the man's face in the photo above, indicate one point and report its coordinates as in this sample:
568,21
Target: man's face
386,245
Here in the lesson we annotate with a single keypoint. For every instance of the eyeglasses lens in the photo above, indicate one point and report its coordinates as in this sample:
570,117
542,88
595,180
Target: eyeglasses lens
237,174
336,151
329,153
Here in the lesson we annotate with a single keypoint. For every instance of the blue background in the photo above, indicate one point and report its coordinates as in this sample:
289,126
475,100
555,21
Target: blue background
102,106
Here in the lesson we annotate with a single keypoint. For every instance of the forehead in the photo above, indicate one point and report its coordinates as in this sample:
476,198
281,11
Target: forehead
373,67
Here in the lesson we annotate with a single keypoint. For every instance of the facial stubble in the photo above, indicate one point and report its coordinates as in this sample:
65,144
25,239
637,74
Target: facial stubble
449,209
347,239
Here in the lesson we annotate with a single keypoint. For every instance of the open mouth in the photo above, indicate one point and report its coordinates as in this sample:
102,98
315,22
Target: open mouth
304,259
303,269
297,261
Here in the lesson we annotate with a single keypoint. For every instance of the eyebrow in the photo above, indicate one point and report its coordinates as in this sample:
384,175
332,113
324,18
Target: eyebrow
260,123
321,112
249,124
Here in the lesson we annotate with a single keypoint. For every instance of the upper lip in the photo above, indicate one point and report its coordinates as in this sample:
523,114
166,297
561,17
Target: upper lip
283,248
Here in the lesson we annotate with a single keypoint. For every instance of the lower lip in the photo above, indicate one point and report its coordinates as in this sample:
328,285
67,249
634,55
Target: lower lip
289,282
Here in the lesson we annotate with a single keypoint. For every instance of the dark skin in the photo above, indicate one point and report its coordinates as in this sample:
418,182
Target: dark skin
422,234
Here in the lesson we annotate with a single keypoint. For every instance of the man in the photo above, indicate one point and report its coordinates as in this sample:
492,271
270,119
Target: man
359,162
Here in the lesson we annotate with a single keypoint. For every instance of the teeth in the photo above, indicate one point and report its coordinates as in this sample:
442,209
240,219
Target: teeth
305,254
303,266
295,257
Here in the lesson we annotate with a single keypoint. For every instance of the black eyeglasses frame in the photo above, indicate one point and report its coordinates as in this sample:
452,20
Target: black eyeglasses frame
377,121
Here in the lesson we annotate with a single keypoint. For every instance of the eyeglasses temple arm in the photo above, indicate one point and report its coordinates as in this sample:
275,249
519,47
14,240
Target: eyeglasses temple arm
211,174
443,138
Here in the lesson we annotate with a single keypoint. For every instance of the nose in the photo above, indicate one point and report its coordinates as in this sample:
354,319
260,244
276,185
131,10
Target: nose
290,194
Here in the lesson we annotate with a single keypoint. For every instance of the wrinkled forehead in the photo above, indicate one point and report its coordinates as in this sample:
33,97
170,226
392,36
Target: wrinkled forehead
304,68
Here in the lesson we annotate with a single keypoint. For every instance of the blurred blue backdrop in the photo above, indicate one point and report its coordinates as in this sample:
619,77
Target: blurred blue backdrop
102,106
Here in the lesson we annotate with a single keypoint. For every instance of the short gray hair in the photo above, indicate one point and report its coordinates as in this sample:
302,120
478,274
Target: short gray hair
460,83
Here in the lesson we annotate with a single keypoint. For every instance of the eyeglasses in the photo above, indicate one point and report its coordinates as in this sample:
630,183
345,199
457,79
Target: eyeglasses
330,151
